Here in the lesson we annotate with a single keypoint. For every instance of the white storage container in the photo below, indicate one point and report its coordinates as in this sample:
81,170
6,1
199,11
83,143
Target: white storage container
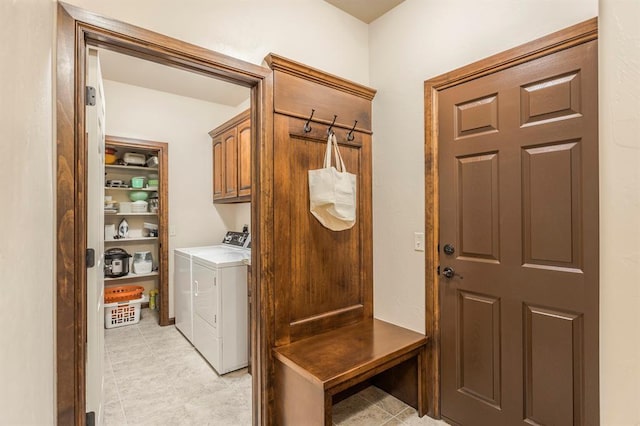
139,207
134,158
142,262
125,207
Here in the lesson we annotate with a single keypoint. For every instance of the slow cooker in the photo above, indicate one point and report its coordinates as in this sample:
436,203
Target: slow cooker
116,263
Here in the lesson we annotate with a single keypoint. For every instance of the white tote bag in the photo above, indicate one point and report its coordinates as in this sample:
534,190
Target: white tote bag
332,191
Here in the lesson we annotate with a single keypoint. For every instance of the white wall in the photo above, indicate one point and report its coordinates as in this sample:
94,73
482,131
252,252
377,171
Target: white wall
183,123
404,52
440,36
415,41
308,31
26,244
619,48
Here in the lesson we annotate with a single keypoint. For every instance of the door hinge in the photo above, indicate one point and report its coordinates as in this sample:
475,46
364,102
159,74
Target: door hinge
90,258
215,319
91,418
89,96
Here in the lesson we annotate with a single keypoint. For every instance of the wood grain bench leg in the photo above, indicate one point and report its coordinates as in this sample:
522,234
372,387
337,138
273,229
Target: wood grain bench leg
422,382
328,409
299,401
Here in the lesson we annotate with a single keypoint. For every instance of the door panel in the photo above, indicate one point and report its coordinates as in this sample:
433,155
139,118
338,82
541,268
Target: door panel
205,301
244,158
95,125
553,365
478,207
518,161
230,152
479,347
551,177
477,116
551,99
218,167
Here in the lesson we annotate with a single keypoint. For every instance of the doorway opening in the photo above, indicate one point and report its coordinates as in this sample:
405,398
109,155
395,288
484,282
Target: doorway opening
78,29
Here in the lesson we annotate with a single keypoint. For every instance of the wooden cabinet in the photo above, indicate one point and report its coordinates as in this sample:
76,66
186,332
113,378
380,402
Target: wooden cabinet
232,160
244,158
218,168
322,279
319,320
148,225
230,169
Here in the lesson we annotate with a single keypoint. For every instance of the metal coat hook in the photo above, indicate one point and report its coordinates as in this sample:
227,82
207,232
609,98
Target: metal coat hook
350,136
307,125
332,123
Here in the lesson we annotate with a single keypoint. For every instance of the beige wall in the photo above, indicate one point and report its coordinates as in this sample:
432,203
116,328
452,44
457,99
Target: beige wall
404,52
309,31
26,191
418,40
184,124
440,36
619,48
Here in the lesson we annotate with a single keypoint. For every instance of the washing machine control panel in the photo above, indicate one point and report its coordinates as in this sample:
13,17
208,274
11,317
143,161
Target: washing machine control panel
237,239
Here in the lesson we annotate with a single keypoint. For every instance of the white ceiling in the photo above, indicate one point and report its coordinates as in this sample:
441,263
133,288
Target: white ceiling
365,10
138,72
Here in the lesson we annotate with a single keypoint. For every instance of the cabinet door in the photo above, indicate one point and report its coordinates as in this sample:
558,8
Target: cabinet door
218,169
244,158
230,153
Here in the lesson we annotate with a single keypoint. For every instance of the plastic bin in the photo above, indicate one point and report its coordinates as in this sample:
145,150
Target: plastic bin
119,314
123,293
137,182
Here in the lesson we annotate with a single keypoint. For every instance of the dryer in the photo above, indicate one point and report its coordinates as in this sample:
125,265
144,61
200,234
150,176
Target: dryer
220,327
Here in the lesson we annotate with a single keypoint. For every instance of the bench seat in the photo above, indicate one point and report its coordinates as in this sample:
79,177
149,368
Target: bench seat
309,372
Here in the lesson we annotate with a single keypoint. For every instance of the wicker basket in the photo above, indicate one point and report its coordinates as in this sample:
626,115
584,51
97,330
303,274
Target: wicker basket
123,293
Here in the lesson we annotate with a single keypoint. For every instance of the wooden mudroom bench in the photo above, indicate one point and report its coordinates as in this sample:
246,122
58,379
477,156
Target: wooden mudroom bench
309,372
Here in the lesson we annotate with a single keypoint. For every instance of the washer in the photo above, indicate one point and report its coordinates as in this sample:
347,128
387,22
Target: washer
182,288
219,286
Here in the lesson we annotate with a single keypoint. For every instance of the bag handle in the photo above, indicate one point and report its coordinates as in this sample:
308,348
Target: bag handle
331,140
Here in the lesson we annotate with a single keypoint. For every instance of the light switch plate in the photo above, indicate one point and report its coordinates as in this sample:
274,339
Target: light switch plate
418,241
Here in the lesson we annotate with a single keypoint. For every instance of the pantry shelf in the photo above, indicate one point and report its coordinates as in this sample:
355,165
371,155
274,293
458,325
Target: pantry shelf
146,226
112,188
118,167
127,240
131,214
132,276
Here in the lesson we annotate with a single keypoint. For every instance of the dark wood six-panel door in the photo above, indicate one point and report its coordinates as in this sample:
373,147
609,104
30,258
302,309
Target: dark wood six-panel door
518,170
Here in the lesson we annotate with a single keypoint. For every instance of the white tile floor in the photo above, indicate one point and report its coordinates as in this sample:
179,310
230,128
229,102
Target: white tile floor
153,376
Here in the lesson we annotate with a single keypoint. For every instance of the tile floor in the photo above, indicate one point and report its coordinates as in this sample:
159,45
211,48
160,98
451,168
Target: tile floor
153,376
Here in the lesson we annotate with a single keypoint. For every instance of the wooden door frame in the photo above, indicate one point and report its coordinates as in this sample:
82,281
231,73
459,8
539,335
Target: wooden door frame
569,37
76,29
